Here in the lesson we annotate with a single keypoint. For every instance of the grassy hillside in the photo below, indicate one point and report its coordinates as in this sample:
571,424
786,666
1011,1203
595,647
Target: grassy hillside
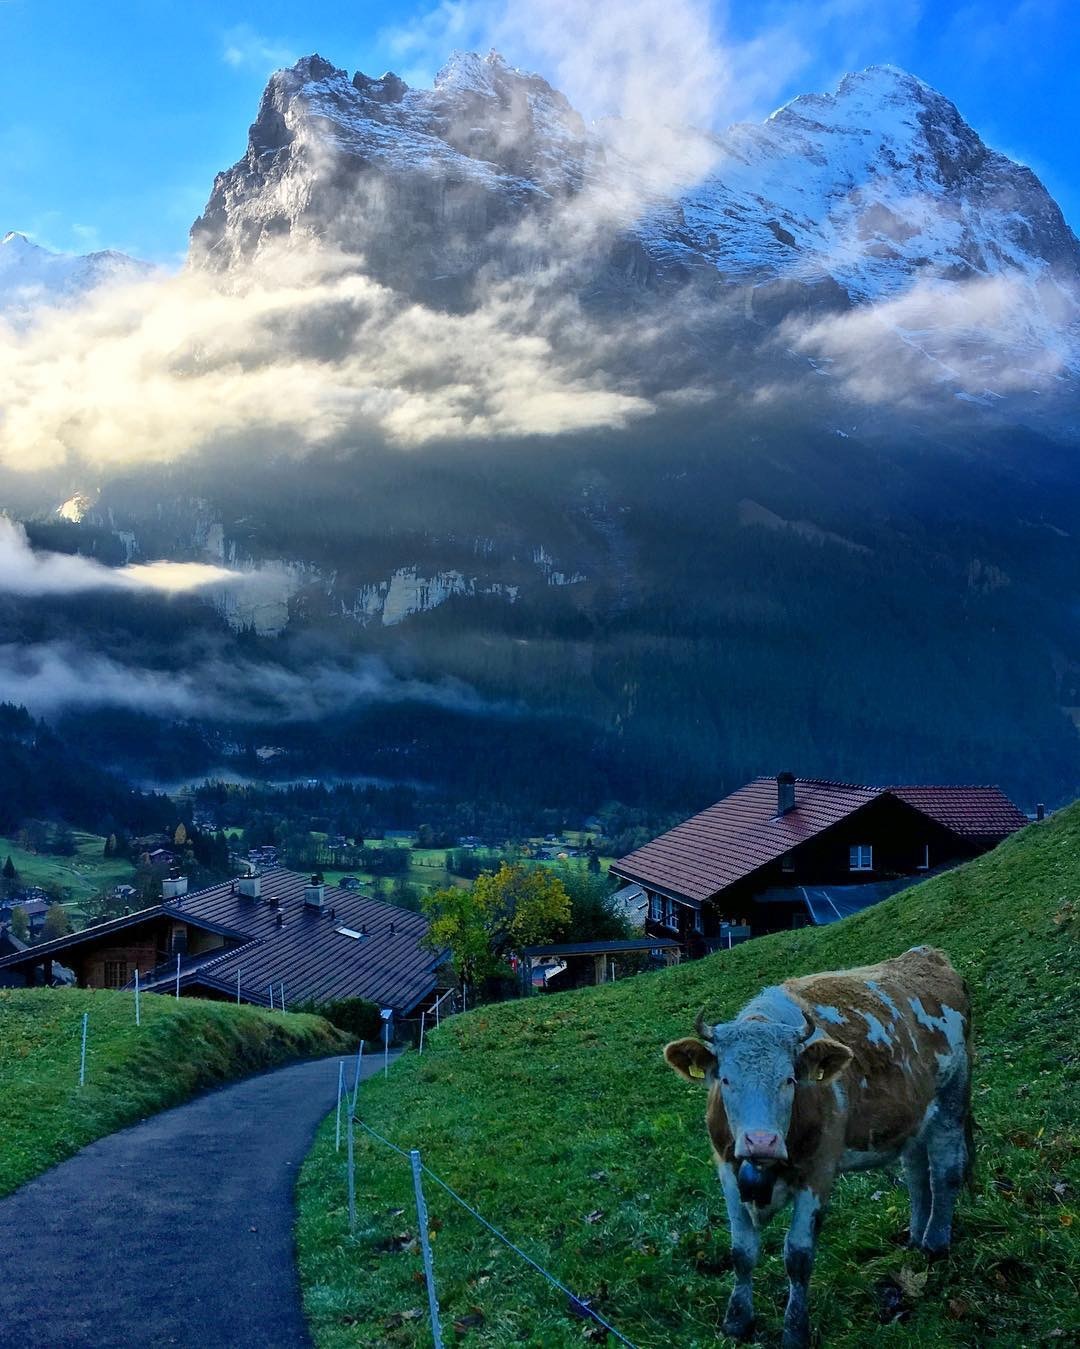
558,1119
181,1047
88,872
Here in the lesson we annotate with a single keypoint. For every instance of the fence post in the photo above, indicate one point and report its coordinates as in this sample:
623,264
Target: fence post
178,974
337,1125
352,1178
356,1076
82,1056
138,1017
281,991
238,988
425,1246
423,1019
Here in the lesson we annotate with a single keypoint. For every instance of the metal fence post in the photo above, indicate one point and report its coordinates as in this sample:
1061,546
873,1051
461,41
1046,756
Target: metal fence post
82,1056
352,1178
356,1076
423,1019
337,1126
138,1016
238,988
178,974
425,1246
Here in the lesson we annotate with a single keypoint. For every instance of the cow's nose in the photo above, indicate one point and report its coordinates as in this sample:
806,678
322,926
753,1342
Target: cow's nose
763,1143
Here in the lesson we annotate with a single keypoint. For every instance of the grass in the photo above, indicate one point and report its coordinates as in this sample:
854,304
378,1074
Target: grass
558,1120
181,1047
88,872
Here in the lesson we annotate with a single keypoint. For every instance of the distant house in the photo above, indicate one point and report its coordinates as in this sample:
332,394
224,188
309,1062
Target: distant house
35,904
160,857
786,852
237,939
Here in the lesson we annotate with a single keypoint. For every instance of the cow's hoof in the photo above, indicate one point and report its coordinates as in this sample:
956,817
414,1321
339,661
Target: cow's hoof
795,1339
935,1252
738,1328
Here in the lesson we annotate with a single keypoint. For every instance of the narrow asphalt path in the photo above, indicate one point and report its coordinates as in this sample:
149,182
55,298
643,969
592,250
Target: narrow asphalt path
177,1231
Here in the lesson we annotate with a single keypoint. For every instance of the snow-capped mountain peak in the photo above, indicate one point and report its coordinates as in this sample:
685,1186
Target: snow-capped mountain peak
32,276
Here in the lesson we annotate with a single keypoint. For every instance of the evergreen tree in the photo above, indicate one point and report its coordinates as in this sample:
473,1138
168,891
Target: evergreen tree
9,873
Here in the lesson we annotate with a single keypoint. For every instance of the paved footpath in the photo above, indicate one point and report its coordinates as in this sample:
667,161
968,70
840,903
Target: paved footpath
177,1231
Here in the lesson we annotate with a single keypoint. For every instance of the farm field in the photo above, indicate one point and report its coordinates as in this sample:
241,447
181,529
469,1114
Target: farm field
557,1118
132,1071
88,872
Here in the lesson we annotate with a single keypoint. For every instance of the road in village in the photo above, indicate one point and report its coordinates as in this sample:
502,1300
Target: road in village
177,1231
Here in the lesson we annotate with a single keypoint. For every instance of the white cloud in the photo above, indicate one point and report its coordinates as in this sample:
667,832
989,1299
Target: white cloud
244,48
26,572
981,338
53,677
156,370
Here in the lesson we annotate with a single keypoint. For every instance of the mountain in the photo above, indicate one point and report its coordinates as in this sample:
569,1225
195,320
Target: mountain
849,335
32,276
835,200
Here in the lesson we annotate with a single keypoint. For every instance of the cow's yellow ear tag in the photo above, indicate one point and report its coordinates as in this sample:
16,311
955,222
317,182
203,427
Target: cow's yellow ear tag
696,1071
821,1074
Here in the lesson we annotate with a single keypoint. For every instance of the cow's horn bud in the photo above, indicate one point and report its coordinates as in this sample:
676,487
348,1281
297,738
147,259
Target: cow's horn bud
702,1026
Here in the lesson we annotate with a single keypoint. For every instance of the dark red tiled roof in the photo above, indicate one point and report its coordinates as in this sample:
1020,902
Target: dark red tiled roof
972,812
743,832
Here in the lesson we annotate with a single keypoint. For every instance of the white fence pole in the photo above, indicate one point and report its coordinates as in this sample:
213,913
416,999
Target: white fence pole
281,991
82,1056
340,1084
425,1247
271,997
356,1076
178,974
138,1017
423,1020
238,988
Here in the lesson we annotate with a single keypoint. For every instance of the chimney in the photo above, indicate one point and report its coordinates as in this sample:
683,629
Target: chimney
249,886
785,793
281,920
314,893
174,886
1040,811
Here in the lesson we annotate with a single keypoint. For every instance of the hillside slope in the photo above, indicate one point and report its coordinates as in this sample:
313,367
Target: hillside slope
558,1119
180,1048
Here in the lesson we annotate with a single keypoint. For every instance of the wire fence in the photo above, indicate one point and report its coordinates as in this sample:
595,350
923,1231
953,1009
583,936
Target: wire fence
578,1307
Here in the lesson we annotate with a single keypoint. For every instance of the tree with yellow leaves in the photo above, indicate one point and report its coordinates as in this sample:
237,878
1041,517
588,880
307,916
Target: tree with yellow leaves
503,912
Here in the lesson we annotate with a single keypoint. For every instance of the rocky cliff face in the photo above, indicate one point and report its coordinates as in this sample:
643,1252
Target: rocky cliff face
864,191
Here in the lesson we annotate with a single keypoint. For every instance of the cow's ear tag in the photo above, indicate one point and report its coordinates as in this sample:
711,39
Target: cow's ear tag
819,1076
696,1070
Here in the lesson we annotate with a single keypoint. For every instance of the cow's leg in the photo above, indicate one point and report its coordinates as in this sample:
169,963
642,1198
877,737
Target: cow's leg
745,1244
799,1247
917,1175
946,1150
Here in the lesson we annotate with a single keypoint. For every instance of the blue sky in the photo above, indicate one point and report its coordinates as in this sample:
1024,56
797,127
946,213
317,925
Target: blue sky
116,116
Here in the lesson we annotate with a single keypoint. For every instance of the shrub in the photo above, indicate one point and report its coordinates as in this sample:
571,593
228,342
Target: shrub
357,1016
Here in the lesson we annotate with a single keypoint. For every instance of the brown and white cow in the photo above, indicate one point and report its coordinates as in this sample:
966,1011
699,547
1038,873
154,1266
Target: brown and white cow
829,1073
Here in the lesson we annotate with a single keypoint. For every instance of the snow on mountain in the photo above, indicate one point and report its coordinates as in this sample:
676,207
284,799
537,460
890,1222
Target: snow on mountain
31,276
868,187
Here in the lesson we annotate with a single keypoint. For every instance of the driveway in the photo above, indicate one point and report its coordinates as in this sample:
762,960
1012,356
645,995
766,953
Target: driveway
177,1231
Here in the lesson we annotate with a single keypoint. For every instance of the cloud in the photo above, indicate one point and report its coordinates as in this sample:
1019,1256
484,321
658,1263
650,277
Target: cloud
980,338
302,352
245,49
28,573
54,677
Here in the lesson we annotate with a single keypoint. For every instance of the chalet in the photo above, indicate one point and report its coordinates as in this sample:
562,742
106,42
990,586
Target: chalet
786,852
238,939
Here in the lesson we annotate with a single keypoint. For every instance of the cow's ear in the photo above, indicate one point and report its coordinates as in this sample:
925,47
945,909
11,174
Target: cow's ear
690,1058
823,1061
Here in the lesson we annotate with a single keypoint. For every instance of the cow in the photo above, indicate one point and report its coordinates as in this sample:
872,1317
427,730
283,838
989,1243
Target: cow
828,1073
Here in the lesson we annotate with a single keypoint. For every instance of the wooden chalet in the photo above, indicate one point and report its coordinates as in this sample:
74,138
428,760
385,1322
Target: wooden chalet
236,940
787,852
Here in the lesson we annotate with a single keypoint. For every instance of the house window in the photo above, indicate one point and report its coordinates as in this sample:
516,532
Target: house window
115,973
787,862
670,920
696,921
923,864
656,911
861,857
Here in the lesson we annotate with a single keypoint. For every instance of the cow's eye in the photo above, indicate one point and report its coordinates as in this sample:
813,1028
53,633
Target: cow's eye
724,1082
792,1082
